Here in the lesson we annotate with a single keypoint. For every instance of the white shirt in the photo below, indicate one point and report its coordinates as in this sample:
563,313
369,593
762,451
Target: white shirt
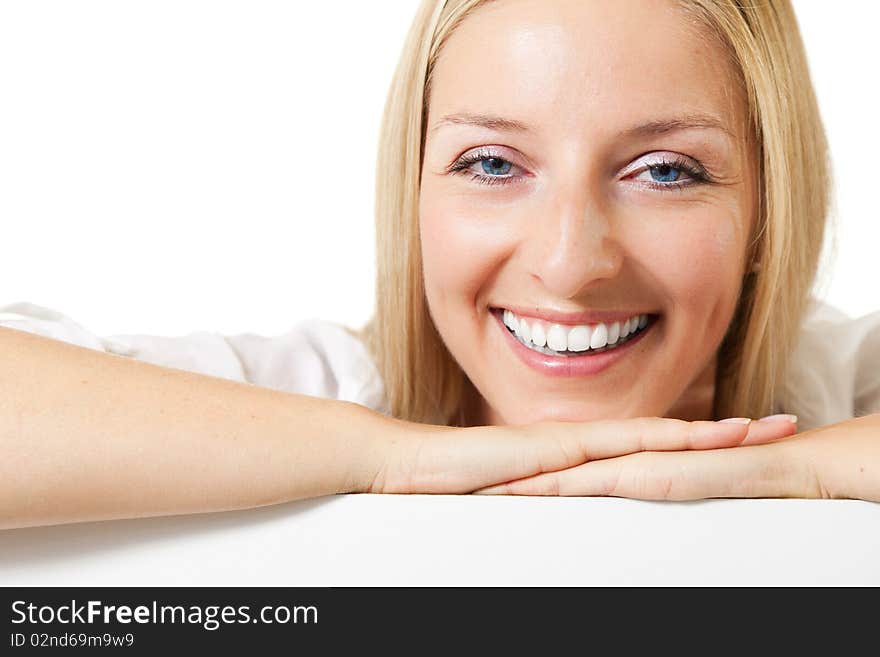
315,357
834,376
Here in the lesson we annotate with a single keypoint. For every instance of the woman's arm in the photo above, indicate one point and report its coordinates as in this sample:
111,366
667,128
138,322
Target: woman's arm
87,435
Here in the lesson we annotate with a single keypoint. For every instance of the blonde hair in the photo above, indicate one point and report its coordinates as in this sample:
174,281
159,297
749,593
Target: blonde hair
424,383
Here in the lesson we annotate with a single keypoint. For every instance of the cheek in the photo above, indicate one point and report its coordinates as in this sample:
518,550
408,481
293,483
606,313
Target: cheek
462,248
697,260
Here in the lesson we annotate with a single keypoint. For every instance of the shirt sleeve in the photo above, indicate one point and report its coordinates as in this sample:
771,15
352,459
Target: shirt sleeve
316,357
865,331
835,370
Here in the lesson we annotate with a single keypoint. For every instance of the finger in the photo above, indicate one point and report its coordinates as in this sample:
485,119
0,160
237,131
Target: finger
755,471
610,438
771,428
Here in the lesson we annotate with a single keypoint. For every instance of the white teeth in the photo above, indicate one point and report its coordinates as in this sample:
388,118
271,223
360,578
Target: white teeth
539,338
579,338
600,337
614,333
572,339
557,338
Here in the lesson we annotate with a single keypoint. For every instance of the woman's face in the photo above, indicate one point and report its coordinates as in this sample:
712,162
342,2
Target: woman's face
586,165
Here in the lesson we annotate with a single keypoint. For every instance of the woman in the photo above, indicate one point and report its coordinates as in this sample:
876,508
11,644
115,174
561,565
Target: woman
585,259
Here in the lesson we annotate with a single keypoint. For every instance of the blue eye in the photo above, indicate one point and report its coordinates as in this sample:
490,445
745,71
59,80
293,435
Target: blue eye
495,166
672,172
495,170
664,172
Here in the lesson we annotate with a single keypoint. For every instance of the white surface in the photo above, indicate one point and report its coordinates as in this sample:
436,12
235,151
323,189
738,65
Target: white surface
464,540
209,165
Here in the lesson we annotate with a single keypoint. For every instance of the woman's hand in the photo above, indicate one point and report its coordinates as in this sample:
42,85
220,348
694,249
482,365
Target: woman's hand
454,460
836,461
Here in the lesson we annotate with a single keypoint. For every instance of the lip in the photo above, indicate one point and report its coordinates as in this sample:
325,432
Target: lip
586,317
570,366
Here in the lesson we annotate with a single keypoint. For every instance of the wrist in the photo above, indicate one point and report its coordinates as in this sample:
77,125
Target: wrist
839,456
398,456
374,444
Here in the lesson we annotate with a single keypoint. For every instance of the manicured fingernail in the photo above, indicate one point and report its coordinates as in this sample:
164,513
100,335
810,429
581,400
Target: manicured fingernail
780,416
737,420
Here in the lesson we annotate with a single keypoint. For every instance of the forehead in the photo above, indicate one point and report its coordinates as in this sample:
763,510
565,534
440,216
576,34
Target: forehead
582,67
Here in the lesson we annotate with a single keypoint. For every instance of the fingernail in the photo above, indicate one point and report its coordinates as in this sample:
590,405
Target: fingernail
737,420
780,416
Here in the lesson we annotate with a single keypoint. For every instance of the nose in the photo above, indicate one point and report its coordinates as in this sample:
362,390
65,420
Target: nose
573,245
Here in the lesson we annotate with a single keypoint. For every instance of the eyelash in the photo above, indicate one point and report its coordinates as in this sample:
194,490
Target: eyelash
698,174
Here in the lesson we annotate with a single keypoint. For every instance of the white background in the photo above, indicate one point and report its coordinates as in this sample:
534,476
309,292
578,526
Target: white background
177,165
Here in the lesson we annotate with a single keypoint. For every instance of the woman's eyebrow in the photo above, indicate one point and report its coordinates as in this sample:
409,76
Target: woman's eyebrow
489,121
672,124
654,127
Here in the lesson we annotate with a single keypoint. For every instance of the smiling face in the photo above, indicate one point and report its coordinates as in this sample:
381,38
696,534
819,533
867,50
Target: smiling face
587,170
